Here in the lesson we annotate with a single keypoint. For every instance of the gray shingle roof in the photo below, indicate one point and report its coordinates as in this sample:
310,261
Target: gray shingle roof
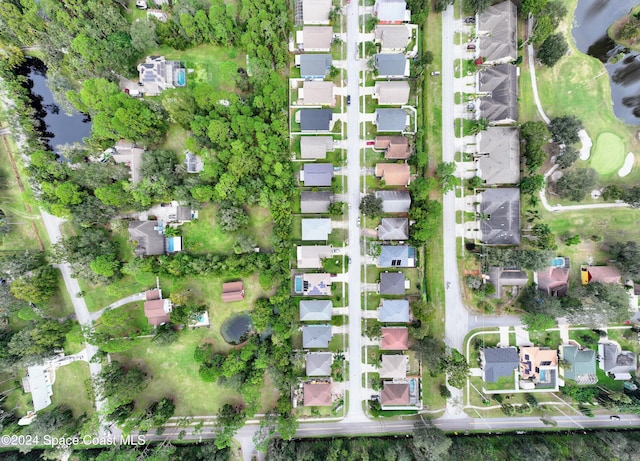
393,229
315,310
394,311
314,65
317,174
392,283
497,28
501,82
315,202
501,277
315,147
396,256
319,363
391,65
391,120
615,360
150,239
393,37
499,155
502,207
499,362
316,336
315,119
394,201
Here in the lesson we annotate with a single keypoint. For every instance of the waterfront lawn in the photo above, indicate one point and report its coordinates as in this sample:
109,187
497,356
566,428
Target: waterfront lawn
72,388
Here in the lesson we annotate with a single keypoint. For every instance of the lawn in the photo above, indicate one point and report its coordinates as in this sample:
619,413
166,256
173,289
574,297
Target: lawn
608,154
203,235
210,63
70,388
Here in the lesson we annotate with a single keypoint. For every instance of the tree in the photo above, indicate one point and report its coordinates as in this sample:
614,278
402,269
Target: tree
535,135
599,304
476,182
120,385
532,7
573,240
429,443
612,193
38,340
627,256
576,184
632,196
229,419
37,288
565,129
105,265
445,173
230,217
336,208
556,10
538,321
553,49
532,184
456,367
440,5
542,237
568,157
477,6
371,206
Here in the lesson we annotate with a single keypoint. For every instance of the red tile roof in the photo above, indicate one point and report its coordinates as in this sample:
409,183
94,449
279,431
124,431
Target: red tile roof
153,294
395,394
395,339
317,394
604,274
154,311
232,291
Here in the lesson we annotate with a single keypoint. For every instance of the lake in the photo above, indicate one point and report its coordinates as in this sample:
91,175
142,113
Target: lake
52,123
591,21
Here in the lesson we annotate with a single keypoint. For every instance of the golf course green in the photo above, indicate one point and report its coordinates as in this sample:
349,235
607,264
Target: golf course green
608,154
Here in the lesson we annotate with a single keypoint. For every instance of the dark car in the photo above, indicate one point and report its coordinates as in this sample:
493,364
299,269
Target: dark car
348,99
615,417
470,20
471,46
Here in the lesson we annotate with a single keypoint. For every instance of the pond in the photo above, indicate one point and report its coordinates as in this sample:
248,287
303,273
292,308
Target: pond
591,21
236,328
55,127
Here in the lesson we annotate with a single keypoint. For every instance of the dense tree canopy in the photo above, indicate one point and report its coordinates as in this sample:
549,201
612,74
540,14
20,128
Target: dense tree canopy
553,49
576,184
627,256
565,129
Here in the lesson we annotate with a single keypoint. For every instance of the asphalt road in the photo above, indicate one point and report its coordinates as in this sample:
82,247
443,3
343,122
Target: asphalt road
355,412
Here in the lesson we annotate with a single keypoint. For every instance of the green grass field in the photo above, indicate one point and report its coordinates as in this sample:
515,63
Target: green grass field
607,155
71,388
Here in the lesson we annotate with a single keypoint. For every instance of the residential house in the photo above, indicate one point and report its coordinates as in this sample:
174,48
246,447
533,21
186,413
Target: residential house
600,274
316,174
314,120
395,393
232,291
158,74
316,11
391,120
149,237
616,362
313,284
156,309
395,147
314,66
316,336
391,12
315,202
554,280
315,147
393,229
315,38
392,283
39,382
394,174
193,162
394,311
316,93
501,277
500,216
394,201
392,38
498,362
578,364
394,366
538,365
499,105
499,155
397,256
394,339
319,363
392,93
317,394
316,228
310,257
391,65
129,154
315,310
498,34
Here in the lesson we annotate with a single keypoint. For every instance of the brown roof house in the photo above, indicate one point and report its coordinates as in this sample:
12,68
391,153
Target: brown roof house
600,274
554,280
156,309
538,368
395,147
394,393
395,339
232,291
394,174
317,394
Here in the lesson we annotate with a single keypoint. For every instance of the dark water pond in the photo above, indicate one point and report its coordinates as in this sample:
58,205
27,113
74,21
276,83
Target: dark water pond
591,21
54,125
235,329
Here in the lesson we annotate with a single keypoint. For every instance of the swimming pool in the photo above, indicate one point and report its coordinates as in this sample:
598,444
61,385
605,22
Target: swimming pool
170,245
181,78
543,376
557,262
412,386
298,283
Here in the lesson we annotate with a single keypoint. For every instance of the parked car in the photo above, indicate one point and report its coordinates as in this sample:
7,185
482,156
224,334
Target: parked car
435,72
358,222
141,4
471,46
615,417
348,99
470,20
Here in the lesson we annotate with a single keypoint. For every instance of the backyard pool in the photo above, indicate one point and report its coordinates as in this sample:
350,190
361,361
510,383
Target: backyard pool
557,262
181,78
298,283
543,376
